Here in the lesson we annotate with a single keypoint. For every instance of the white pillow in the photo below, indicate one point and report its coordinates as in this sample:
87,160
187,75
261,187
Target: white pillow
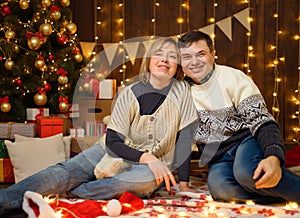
66,141
31,156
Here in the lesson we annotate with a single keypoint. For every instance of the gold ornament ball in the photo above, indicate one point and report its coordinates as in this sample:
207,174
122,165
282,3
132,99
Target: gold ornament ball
71,28
5,107
46,3
46,29
78,57
10,34
63,79
56,15
39,64
40,99
63,106
100,76
65,3
9,64
24,4
34,43
87,87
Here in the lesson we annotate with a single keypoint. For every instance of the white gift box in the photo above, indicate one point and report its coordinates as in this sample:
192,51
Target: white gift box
73,112
32,113
107,89
76,132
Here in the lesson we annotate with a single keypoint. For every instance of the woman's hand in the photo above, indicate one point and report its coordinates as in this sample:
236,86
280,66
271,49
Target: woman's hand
271,172
160,171
184,187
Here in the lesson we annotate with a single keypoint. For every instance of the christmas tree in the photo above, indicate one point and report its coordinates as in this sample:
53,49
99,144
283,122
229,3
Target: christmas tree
40,57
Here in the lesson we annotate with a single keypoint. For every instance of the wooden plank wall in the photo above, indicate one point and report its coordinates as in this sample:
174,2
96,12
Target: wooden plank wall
138,15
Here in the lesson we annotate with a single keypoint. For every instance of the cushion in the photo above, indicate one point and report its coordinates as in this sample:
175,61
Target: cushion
30,156
66,141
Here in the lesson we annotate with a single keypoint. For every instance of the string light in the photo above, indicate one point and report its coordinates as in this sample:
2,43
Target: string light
249,46
275,106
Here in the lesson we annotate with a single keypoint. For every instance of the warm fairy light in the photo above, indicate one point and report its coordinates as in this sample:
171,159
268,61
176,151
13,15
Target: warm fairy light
272,47
183,5
209,198
250,48
278,79
275,15
211,20
180,20
250,19
274,94
250,202
296,37
121,4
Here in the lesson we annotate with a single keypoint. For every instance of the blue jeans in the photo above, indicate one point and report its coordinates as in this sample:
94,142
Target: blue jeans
75,178
230,178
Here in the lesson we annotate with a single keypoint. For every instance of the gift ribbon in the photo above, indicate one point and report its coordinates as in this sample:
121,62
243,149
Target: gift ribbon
54,8
9,129
63,99
40,35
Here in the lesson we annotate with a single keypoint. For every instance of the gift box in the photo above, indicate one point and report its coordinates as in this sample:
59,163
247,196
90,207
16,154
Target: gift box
6,170
76,132
107,89
33,113
95,128
3,150
9,129
49,126
72,112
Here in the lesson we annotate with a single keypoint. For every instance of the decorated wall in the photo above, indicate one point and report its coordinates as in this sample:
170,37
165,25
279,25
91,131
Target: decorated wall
259,37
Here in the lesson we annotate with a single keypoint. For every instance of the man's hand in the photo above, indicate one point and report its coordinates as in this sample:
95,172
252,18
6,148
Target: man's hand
271,173
160,171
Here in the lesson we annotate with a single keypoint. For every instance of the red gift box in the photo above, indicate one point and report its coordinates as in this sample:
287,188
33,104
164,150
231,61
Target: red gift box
6,170
49,126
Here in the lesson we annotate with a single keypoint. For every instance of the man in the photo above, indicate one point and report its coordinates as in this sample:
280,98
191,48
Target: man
236,136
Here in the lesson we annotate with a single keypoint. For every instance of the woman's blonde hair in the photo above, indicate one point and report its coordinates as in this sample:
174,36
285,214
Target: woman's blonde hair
157,45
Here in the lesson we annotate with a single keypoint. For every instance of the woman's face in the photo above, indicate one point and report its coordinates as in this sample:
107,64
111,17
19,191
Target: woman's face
163,63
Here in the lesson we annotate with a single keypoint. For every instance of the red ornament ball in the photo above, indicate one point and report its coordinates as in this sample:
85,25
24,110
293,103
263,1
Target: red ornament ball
19,82
47,87
62,39
5,10
1,58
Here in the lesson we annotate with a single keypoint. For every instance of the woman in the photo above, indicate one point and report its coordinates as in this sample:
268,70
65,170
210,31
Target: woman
149,120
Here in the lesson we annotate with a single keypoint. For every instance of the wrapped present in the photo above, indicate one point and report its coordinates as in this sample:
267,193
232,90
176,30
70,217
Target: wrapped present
3,150
107,89
95,128
33,113
6,171
9,129
72,112
76,131
49,126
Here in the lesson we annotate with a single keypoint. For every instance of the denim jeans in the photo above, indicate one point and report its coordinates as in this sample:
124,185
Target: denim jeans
230,178
75,178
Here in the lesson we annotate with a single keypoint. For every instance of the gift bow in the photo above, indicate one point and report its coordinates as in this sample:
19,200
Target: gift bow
54,8
29,35
61,71
63,99
4,100
41,90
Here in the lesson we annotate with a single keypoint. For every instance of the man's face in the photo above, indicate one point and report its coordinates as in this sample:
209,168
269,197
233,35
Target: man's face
197,60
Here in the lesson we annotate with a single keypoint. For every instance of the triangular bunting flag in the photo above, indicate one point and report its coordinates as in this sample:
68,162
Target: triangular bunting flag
242,17
147,44
210,30
132,48
110,50
225,26
87,48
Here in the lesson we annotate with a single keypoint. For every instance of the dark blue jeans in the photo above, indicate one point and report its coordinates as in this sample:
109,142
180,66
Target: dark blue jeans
230,179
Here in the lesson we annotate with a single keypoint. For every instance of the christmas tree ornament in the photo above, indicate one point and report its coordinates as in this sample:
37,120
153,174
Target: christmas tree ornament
1,58
63,79
34,43
87,87
40,64
71,28
65,3
40,98
46,3
24,4
63,103
46,29
9,64
17,49
5,107
47,86
5,10
55,12
18,82
113,208
4,104
62,39
10,34
78,57
51,57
